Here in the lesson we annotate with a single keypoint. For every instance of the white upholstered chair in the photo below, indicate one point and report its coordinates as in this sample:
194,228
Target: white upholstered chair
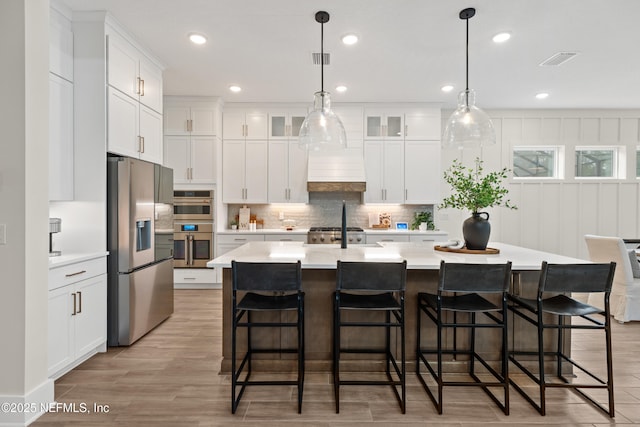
625,294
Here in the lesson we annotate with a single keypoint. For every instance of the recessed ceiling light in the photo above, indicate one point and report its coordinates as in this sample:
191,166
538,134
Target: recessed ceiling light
341,89
446,88
197,38
501,37
542,95
235,88
349,39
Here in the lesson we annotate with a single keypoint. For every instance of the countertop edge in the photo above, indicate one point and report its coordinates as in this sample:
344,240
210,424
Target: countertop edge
62,260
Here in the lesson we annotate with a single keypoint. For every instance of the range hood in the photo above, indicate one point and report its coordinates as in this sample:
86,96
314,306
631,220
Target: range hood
336,171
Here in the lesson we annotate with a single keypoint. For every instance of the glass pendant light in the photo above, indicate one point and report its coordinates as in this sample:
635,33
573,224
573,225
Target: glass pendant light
322,128
468,126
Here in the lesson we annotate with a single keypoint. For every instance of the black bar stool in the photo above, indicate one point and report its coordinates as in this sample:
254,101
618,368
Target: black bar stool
266,287
467,281
559,279
377,287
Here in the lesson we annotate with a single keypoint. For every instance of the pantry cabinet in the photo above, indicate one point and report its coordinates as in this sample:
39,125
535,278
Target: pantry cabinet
190,138
384,167
287,172
244,171
77,315
422,176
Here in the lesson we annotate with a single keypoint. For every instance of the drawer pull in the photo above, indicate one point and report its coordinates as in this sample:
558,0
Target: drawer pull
76,273
240,240
189,278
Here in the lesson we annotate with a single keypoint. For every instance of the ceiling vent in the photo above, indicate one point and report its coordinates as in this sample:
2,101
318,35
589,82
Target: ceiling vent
558,59
316,56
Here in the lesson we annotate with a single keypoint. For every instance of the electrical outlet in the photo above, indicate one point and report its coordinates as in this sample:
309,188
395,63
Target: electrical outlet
280,215
3,234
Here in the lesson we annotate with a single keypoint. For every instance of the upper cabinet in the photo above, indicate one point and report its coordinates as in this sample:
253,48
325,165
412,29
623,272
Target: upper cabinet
381,124
244,124
284,125
132,73
134,100
422,125
61,154
352,118
190,138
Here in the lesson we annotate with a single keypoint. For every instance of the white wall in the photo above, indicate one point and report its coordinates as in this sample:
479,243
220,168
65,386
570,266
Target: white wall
24,27
554,215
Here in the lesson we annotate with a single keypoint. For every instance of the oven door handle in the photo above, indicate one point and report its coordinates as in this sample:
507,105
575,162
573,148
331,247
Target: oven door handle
189,246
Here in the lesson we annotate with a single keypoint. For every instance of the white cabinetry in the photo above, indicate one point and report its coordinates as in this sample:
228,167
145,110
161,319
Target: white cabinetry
422,172
190,129
352,117
384,124
193,278
228,242
286,124
244,171
408,172
60,138
384,166
287,172
134,101
387,237
242,124
430,237
285,237
77,314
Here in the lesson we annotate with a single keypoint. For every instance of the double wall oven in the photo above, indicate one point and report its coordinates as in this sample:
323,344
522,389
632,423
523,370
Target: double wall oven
193,228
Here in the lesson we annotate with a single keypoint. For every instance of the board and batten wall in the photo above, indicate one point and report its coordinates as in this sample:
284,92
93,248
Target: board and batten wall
554,214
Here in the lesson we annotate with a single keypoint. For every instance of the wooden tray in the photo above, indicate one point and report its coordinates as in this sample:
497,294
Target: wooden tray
488,251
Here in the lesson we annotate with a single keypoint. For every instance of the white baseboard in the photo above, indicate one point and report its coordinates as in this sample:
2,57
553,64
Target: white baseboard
24,410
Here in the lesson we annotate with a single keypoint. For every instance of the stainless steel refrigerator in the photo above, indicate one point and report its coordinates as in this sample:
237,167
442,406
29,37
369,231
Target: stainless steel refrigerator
140,267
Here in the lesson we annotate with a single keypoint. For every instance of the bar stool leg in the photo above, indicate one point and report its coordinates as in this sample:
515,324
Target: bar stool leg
404,362
541,364
233,363
439,343
336,353
300,353
472,367
607,335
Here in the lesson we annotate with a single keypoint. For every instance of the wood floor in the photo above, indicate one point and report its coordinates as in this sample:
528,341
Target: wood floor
170,378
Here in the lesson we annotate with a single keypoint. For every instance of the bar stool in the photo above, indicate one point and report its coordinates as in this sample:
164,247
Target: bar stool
377,287
266,287
559,279
467,281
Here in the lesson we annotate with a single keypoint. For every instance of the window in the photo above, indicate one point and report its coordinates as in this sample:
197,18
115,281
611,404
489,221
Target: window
536,162
597,162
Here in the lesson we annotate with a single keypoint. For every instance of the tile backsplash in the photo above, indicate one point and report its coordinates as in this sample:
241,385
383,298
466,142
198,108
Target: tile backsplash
325,209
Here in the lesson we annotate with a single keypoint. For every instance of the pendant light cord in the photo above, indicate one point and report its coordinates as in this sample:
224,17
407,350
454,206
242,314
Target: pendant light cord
322,57
467,56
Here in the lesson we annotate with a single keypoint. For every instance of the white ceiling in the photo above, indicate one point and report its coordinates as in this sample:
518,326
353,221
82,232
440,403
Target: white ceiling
408,49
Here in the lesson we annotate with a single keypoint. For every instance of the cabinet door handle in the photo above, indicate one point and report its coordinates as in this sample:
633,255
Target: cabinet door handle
138,85
406,194
189,125
75,274
73,295
141,144
79,302
141,87
406,130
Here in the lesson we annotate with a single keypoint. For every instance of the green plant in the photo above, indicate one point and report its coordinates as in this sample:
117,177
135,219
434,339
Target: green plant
233,222
421,217
474,190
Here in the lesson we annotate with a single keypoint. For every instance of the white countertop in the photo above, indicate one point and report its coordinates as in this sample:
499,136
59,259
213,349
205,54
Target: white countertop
66,259
419,256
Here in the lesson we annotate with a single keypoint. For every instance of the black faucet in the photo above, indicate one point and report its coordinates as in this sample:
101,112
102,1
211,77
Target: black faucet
343,236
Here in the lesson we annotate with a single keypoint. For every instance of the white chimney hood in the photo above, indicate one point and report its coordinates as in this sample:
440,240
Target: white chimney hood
336,171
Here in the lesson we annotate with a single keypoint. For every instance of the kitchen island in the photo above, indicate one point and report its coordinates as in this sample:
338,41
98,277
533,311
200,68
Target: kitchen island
319,279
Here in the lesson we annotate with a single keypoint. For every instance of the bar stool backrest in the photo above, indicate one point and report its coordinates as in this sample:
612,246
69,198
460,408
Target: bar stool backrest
464,277
576,277
372,276
266,276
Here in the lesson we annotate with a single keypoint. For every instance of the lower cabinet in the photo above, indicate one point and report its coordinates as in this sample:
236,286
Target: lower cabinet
77,314
384,237
194,278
